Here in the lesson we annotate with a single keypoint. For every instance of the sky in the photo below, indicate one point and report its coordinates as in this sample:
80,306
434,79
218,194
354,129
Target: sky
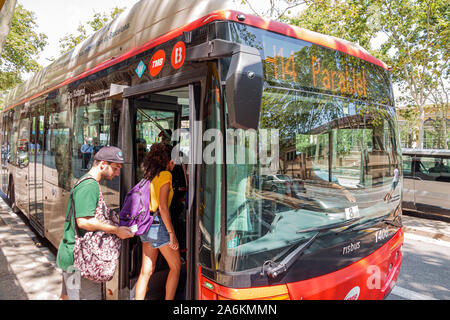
57,18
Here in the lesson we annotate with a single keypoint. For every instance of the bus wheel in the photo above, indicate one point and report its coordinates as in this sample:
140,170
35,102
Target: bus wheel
12,197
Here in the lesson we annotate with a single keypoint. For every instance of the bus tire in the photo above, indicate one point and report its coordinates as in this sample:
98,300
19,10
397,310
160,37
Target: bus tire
12,196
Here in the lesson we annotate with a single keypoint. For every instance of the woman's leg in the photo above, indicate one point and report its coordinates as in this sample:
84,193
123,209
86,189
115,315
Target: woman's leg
173,260
149,255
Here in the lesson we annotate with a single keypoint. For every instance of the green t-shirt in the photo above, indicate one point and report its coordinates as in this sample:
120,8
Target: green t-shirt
85,197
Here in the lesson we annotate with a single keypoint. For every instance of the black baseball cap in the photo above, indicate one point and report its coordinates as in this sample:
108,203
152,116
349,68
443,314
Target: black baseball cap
110,154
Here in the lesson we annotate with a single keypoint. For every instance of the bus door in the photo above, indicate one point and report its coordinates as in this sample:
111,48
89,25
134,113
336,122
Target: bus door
6,132
431,185
408,182
164,115
157,117
35,180
22,161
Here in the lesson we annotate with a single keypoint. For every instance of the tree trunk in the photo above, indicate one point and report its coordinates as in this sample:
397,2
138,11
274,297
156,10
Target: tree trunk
421,128
6,13
444,125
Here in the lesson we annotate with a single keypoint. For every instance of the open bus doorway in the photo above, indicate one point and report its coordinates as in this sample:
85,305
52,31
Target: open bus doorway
157,117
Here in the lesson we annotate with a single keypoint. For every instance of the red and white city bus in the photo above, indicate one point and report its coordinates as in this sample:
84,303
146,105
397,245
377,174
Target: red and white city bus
287,140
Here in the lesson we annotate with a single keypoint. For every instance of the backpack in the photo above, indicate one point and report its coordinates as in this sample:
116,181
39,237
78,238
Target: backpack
96,254
135,212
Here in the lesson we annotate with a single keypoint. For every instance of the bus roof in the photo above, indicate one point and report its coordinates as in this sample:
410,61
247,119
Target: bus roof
426,152
146,25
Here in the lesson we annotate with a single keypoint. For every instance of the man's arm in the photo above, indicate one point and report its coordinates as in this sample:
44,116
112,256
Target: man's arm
92,224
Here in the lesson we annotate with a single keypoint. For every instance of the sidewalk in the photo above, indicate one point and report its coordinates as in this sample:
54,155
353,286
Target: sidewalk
437,230
27,271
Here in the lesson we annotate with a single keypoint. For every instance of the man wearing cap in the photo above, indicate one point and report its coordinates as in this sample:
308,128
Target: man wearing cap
107,164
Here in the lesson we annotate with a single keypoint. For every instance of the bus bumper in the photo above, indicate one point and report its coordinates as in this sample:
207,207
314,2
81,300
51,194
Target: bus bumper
371,278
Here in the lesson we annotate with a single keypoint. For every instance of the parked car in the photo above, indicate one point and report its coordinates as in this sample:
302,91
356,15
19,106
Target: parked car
283,184
426,182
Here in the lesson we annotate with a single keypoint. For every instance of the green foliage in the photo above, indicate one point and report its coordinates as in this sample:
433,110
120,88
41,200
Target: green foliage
416,34
275,9
98,21
352,20
20,49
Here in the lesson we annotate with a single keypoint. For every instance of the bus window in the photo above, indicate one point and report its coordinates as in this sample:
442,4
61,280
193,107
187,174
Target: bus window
57,143
92,131
407,166
434,168
14,137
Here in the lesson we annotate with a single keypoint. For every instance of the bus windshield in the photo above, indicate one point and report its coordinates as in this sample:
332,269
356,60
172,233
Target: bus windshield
319,157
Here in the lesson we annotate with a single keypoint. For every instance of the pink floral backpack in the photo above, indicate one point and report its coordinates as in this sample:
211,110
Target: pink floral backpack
96,254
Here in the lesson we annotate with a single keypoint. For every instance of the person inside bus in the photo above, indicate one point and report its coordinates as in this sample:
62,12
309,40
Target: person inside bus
141,152
166,136
160,238
179,186
86,151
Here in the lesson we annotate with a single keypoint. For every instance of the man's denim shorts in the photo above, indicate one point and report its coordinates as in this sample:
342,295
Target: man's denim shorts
157,234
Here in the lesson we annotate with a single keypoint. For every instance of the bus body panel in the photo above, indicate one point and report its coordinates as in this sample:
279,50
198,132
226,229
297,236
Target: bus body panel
370,278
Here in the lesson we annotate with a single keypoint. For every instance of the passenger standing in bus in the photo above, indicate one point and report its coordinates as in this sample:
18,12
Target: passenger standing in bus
160,237
166,136
86,151
107,164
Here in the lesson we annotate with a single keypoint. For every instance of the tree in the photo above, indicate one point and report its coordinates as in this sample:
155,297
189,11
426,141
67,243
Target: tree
440,98
6,13
416,49
416,45
351,20
275,9
98,21
21,46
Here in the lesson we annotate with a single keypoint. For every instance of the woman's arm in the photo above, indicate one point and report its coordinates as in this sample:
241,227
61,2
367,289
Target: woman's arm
92,224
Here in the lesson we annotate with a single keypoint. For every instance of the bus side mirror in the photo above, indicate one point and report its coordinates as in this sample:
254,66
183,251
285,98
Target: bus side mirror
244,81
244,87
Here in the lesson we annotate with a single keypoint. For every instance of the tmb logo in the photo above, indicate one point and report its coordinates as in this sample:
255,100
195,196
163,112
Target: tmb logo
353,294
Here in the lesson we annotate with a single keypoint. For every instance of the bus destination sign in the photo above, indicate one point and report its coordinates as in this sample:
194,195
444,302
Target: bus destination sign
297,63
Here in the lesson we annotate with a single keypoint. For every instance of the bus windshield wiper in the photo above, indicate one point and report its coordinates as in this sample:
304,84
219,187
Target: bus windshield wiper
392,222
357,227
274,269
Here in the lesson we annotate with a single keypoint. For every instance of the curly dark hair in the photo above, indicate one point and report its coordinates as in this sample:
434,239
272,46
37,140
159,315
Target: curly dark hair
156,160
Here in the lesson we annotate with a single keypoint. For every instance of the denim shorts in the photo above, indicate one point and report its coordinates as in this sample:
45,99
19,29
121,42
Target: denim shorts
157,234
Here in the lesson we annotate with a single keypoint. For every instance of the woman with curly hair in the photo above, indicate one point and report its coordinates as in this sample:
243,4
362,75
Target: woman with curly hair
160,237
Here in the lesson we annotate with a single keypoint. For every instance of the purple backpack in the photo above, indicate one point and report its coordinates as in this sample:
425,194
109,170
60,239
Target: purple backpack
135,212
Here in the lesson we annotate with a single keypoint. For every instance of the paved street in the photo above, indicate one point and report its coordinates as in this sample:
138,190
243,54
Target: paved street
28,270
